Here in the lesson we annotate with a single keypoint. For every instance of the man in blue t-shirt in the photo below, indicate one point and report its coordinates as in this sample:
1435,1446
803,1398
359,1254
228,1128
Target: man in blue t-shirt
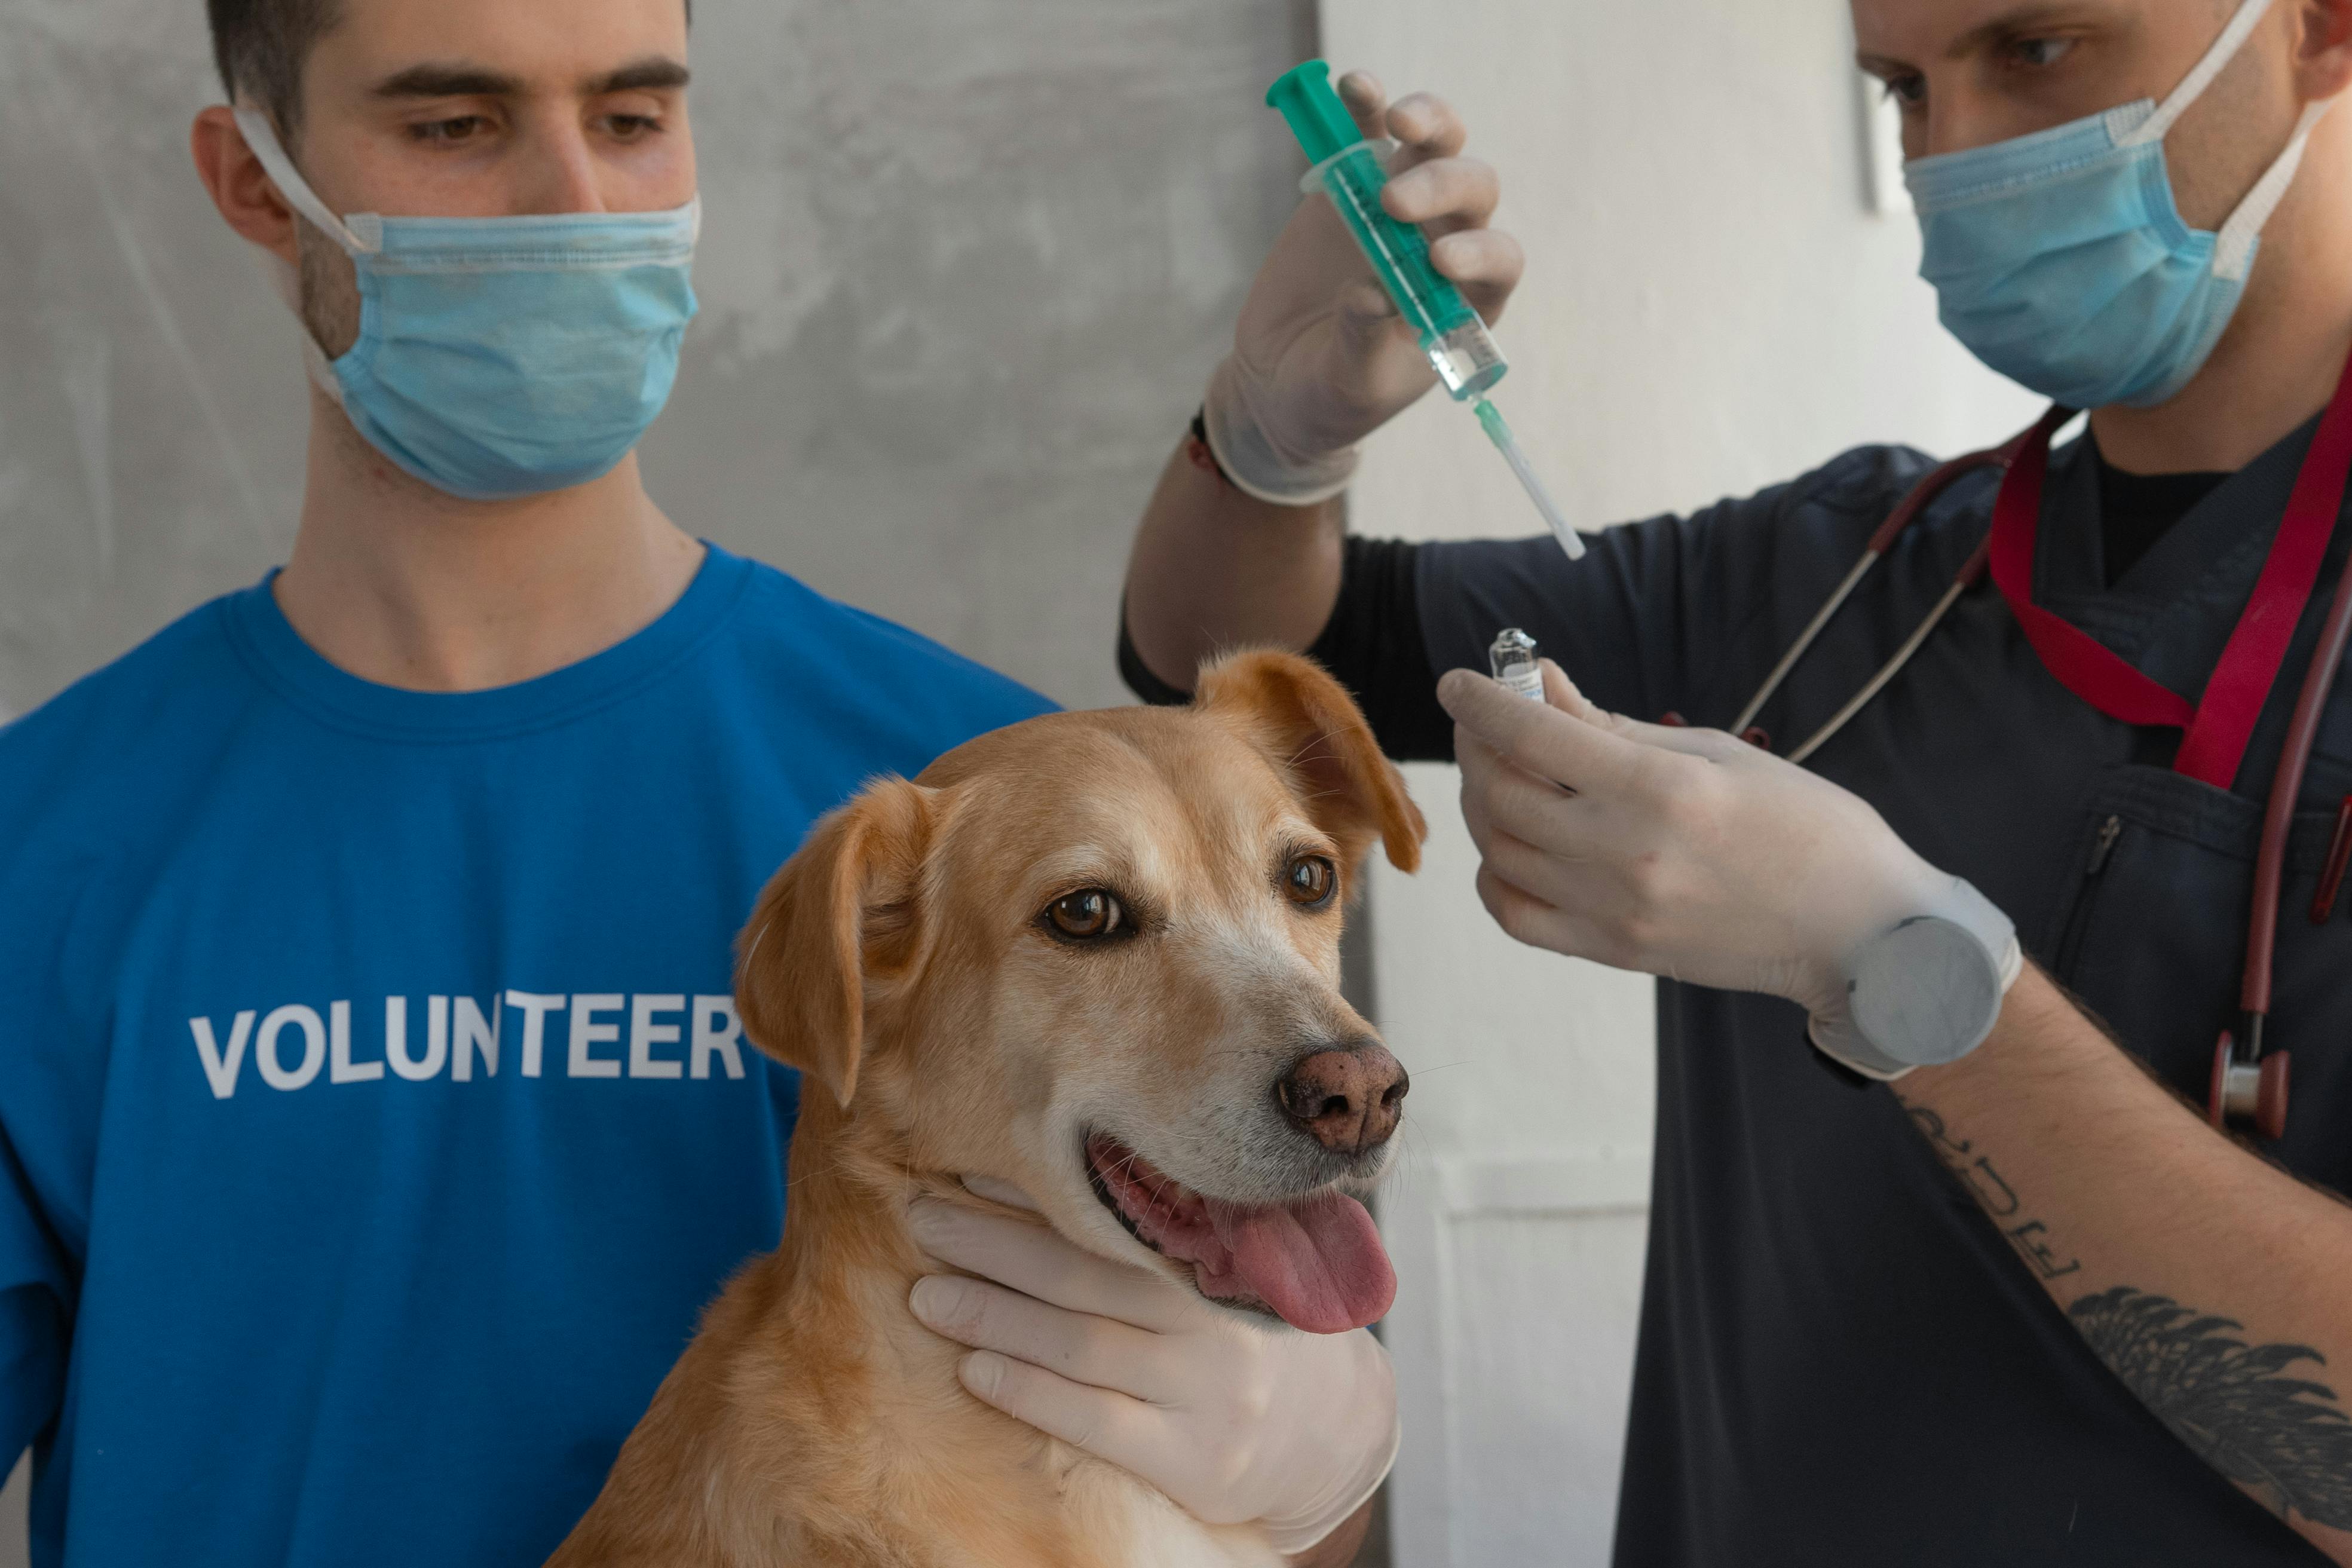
375,1117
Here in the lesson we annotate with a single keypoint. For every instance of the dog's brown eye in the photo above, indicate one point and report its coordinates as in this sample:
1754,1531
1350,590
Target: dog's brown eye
1310,881
1086,915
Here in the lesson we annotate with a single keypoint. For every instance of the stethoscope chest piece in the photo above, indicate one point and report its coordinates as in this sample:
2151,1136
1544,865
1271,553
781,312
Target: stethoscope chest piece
2247,1091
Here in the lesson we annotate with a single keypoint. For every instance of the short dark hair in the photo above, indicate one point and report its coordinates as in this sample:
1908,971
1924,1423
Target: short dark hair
262,46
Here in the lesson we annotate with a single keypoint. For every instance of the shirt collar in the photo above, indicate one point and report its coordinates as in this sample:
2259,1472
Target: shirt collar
2173,612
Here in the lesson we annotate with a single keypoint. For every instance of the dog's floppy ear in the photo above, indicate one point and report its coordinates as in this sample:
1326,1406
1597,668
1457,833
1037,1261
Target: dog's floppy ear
840,912
1308,724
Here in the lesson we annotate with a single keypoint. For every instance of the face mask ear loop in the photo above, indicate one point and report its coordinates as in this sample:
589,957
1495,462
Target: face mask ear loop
2193,86
2233,247
262,138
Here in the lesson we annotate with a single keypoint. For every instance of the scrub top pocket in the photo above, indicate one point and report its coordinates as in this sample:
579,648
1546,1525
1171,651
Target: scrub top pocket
2153,938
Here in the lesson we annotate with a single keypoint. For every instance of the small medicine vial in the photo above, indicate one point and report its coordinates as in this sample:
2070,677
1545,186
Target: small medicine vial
1513,658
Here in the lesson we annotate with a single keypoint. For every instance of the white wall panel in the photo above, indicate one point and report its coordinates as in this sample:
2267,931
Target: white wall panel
16,1499
1516,1218
1540,1273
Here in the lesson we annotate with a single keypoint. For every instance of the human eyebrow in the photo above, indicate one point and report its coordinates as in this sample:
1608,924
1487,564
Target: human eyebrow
449,80
2024,19
654,74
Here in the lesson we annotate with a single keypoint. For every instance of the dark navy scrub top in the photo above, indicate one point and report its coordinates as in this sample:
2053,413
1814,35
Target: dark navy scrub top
1843,1360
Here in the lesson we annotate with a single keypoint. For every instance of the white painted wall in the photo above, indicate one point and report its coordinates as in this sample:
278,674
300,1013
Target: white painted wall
14,1499
1712,306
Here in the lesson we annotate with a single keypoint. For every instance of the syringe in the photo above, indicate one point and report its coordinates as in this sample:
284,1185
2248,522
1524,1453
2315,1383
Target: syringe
1347,168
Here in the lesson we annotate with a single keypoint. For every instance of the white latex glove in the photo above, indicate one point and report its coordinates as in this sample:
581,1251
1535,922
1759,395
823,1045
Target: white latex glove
1320,357
1235,1421
1687,853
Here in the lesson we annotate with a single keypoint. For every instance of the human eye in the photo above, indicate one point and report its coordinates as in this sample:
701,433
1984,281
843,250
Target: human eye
453,132
2039,53
1908,88
632,117
632,127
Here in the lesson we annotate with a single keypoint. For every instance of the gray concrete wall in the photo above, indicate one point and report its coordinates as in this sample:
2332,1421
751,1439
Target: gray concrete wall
966,267
967,264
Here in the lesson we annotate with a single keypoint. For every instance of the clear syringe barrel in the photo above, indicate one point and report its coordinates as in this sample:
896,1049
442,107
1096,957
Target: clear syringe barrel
1347,168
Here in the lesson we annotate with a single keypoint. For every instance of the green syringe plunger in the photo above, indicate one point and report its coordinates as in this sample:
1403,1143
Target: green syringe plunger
1347,168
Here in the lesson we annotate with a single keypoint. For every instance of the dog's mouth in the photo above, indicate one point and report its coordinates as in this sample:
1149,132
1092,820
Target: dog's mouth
1316,1263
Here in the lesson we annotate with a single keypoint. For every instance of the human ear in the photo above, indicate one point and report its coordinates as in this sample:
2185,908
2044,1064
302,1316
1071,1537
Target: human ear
2323,53
239,187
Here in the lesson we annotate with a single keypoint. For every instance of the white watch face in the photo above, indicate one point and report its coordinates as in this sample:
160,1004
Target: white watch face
1926,992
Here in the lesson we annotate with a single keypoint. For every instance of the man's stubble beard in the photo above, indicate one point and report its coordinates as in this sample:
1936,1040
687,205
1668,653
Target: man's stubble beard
331,290
329,308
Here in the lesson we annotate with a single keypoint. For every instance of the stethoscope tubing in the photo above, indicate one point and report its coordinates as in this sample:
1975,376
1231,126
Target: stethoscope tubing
2286,784
2278,812
1804,641
1894,666
1922,496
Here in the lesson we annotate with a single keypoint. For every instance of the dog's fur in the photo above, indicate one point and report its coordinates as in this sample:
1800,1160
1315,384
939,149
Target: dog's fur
900,962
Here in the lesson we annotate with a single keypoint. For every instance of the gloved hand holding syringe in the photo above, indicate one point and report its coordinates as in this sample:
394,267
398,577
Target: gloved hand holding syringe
1347,168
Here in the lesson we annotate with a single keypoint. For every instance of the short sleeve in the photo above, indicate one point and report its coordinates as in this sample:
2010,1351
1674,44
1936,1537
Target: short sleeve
1671,614
33,1311
47,1120
1372,645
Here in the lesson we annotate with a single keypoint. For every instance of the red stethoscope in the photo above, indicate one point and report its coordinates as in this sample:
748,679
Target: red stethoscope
2249,1085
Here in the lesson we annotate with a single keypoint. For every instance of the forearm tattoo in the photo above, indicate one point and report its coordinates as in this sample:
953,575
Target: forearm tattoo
2284,1438
2242,1408
1992,1193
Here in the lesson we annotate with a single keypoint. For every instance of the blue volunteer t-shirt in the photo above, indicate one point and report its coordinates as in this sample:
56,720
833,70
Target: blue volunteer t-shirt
374,1118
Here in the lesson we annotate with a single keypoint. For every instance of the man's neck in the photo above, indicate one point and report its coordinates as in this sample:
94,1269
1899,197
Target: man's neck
394,583
2279,361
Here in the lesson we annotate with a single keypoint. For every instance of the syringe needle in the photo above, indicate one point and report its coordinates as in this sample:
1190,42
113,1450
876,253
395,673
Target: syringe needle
1491,418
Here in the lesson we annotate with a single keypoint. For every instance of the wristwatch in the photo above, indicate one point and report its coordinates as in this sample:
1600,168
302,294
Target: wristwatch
1925,992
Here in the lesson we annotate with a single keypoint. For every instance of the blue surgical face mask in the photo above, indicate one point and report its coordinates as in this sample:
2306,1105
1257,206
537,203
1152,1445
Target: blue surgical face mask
2060,261
507,356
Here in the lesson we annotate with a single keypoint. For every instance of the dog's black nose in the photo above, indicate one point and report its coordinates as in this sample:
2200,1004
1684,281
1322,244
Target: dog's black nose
1348,1097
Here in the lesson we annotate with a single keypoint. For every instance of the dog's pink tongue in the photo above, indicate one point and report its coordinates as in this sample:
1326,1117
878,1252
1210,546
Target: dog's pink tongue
1319,1263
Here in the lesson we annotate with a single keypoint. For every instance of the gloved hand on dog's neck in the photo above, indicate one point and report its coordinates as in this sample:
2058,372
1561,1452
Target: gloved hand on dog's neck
1235,1421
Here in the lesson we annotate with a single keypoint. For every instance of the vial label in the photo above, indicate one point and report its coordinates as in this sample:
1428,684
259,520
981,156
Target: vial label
1527,680
1513,661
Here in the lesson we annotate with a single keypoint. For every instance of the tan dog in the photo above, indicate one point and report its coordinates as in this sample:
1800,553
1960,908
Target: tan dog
1095,955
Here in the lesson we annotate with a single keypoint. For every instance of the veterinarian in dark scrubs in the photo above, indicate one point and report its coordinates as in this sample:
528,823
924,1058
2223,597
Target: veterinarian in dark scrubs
2026,1306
